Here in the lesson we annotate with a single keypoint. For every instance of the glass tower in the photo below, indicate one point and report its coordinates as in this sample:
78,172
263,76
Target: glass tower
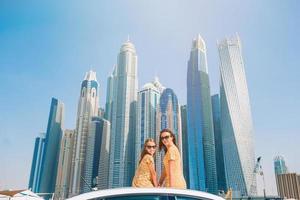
148,99
97,132
279,165
103,171
109,96
168,116
91,164
215,100
52,147
123,123
201,144
236,120
184,143
35,172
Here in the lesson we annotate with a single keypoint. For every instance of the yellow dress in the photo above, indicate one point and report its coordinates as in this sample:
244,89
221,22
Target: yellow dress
142,177
179,181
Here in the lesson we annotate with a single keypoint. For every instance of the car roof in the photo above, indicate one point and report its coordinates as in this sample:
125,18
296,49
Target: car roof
151,191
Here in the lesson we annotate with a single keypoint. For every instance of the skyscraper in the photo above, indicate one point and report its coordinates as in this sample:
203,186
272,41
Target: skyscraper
236,120
87,108
103,171
215,99
109,96
168,116
148,99
97,132
288,185
123,131
201,144
52,147
184,143
279,165
35,172
64,165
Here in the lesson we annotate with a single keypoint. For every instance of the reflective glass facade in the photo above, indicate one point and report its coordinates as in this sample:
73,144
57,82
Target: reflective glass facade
35,172
103,171
51,149
168,116
148,99
91,164
201,144
279,165
236,120
215,100
184,143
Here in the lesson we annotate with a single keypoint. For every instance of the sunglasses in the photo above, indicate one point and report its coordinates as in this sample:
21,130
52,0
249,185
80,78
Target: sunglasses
165,138
149,146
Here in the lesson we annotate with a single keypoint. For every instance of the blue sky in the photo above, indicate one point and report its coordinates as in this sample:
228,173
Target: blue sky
46,48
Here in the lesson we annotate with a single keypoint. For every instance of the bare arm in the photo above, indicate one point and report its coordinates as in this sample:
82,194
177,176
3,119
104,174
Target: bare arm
171,173
153,174
162,177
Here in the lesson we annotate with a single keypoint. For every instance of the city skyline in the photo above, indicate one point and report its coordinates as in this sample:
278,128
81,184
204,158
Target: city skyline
33,74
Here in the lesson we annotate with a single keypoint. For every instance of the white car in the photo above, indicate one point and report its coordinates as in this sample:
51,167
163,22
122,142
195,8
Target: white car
146,194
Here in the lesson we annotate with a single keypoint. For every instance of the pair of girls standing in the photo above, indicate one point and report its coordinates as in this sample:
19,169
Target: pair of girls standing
172,174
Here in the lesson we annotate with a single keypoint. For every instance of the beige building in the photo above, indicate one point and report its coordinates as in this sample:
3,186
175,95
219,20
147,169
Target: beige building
288,185
64,165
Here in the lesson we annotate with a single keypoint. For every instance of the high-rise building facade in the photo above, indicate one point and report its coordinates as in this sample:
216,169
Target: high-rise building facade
103,171
168,116
236,119
35,172
125,85
279,165
215,100
64,165
148,99
201,144
288,185
184,143
93,146
98,131
109,96
87,108
52,147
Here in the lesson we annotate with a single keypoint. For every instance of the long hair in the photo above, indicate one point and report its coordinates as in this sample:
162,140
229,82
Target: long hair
144,152
161,145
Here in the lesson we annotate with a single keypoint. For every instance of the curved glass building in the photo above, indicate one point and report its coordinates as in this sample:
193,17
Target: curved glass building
236,120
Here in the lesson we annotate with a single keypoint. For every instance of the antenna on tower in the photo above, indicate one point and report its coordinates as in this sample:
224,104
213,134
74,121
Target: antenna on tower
128,38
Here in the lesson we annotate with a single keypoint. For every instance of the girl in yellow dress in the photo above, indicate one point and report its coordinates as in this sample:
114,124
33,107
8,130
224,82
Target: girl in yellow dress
172,174
145,175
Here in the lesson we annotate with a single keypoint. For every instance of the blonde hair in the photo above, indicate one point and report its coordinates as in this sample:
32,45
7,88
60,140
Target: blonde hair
144,152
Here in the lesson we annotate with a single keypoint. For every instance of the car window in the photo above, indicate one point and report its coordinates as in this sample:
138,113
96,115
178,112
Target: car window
148,197
186,198
135,197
